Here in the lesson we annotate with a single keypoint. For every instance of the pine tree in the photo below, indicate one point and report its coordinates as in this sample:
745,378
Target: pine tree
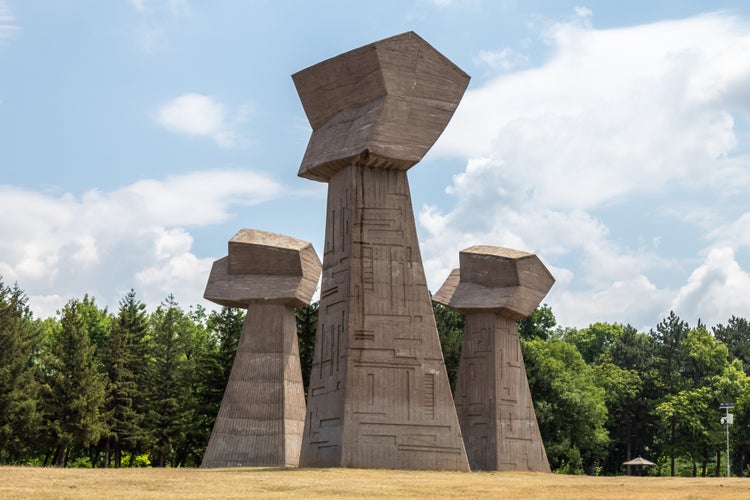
73,390
225,327
736,336
167,391
133,320
19,338
199,346
123,361
98,324
669,336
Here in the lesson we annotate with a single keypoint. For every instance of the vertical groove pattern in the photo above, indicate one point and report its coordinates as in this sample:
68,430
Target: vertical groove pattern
262,413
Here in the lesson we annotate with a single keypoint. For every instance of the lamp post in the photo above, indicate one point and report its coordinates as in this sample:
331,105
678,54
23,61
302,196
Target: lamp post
727,420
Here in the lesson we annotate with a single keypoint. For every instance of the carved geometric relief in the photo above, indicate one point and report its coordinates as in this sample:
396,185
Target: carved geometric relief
390,397
375,111
492,392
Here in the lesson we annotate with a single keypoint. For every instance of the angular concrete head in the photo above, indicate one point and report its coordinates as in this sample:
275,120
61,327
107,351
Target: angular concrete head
496,279
264,267
382,105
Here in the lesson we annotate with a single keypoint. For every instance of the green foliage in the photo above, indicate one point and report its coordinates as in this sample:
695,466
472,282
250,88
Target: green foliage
669,335
307,324
570,406
73,391
621,389
734,386
92,389
736,336
450,327
704,356
538,325
633,351
571,462
141,460
213,367
19,336
123,359
200,346
97,323
595,340
626,369
690,419
169,382
80,463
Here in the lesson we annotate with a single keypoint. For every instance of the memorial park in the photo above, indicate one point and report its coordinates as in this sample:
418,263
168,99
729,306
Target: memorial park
336,372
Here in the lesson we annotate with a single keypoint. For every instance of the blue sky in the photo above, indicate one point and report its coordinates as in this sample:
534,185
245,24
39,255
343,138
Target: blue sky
610,138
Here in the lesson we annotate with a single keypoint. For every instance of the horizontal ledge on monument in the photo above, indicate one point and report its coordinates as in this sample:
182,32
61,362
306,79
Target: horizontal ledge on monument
322,170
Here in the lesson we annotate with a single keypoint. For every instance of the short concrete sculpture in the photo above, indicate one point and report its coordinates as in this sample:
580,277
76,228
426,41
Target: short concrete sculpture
379,395
262,412
494,288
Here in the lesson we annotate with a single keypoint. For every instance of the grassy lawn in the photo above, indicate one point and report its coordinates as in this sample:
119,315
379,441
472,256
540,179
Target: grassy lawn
31,482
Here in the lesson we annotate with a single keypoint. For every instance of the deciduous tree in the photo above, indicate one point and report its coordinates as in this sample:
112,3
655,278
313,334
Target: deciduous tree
570,406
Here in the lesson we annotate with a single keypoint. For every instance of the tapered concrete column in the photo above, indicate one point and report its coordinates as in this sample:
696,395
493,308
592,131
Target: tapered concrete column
379,395
262,413
494,288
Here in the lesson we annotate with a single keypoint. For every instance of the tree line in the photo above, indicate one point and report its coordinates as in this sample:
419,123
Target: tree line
94,388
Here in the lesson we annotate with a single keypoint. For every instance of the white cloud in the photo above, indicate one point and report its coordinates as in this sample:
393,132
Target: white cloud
58,247
735,234
715,291
202,115
612,115
504,59
612,109
636,301
582,11
8,26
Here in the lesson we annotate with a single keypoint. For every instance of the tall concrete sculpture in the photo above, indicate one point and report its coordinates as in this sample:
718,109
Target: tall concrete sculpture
494,288
262,413
379,395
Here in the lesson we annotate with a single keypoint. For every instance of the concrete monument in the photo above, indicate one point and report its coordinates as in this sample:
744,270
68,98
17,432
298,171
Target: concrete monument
494,288
262,412
379,395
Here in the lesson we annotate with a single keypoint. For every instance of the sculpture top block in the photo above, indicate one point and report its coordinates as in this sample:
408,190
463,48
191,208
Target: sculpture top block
509,282
263,268
264,253
382,105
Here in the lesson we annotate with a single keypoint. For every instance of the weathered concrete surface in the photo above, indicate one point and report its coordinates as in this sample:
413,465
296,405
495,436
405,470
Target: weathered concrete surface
264,267
495,287
509,282
382,105
379,394
262,414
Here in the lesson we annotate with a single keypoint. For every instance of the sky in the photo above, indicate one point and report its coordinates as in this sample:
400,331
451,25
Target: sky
612,139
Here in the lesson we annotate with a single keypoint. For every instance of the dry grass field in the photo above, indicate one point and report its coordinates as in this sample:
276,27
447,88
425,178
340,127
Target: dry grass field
42,483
